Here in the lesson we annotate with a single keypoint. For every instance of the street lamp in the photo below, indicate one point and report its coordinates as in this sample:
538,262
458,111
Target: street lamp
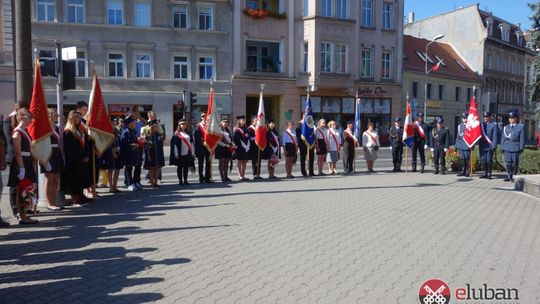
426,72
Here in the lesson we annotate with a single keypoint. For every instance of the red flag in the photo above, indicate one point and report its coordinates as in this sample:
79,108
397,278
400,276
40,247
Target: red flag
260,130
39,128
436,67
99,123
212,131
473,132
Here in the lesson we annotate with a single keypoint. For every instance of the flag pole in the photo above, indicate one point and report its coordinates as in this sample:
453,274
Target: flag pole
206,125
93,185
355,110
406,159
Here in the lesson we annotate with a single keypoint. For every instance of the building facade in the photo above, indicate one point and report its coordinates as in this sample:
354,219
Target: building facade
449,87
493,48
336,49
145,52
7,69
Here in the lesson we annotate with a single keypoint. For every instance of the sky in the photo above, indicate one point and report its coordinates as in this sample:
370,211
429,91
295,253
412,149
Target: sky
513,11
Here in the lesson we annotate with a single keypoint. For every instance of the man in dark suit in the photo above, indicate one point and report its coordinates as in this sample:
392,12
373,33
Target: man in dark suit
420,142
463,148
396,144
202,153
304,153
488,144
440,142
513,144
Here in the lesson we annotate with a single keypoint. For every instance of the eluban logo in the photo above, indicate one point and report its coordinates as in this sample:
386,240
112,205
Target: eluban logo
486,293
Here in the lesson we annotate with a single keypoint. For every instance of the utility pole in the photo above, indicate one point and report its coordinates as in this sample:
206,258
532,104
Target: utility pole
23,51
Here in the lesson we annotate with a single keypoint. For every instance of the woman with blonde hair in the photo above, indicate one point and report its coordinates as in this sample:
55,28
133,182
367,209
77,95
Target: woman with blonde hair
290,144
56,163
334,145
322,144
370,141
74,149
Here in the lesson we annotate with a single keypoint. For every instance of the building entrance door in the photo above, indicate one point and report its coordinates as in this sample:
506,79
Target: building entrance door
271,108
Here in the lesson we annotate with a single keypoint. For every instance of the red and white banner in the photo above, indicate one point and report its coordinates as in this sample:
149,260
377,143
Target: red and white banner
99,122
473,132
212,132
260,130
39,128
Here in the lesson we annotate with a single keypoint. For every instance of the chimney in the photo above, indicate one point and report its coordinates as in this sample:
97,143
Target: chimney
410,17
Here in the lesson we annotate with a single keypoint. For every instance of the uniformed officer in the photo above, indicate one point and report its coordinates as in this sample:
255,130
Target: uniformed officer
463,148
488,144
513,143
440,142
420,142
129,151
396,144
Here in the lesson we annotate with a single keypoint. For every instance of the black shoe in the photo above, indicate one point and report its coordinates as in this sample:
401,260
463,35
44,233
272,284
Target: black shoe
507,179
443,172
436,172
422,170
30,222
257,177
484,176
304,174
208,181
4,224
461,173
413,170
228,179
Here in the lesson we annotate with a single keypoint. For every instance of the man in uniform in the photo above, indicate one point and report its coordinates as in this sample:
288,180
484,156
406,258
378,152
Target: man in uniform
513,143
254,149
349,146
463,148
440,142
488,144
202,153
420,142
396,144
129,151
304,153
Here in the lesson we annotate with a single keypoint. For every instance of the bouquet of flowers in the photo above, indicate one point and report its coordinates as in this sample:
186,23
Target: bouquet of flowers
274,161
27,192
231,147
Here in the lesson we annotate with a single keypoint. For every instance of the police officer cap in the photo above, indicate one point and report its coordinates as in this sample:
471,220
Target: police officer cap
439,120
182,121
153,122
397,119
129,119
350,122
225,120
487,114
512,114
203,114
254,117
420,114
241,117
464,115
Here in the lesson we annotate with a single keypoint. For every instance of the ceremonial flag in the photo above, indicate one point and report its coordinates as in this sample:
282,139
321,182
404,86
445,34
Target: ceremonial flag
472,129
212,131
260,129
99,122
408,128
308,128
39,128
357,122
437,66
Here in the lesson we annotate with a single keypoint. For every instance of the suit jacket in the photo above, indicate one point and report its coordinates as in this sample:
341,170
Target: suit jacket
513,138
440,138
490,130
460,142
198,137
396,137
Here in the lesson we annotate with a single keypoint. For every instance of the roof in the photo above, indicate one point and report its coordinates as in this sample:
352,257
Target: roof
497,35
454,66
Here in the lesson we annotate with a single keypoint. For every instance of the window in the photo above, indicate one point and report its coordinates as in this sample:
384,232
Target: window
514,66
326,8
180,67
461,65
340,58
80,67
179,13
505,34
306,8
206,67
441,92
429,90
115,12
366,64
439,59
305,53
386,71
252,4
45,10
326,57
387,15
489,62
469,94
367,13
47,59
519,39
75,11
415,89
263,57
489,23
341,9
116,65
142,14
458,93
205,18
143,66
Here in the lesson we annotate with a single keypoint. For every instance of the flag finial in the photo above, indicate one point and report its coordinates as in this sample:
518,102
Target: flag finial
262,86
407,95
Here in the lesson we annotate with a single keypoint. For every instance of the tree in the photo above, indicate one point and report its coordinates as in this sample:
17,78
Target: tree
534,45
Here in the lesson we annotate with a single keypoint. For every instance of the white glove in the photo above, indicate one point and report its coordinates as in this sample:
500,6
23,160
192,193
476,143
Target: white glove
48,167
445,150
390,148
425,147
432,149
21,173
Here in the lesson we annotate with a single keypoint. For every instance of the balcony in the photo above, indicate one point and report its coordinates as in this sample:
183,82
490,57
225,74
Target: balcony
263,58
261,9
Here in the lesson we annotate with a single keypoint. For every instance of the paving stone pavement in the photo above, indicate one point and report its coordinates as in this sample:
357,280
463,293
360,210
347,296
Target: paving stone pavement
341,239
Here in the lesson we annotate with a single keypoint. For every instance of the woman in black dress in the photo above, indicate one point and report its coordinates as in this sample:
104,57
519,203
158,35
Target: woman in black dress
242,141
110,161
76,158
182,152
56,163
224,151
154,158
22,165
272,152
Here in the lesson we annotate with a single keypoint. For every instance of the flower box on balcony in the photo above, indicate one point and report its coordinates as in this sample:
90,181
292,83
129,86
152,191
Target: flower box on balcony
262,14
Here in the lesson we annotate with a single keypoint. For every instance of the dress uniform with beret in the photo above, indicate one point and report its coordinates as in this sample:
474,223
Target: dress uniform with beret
488,144
396,143
440,142
463,148
513,143
420,142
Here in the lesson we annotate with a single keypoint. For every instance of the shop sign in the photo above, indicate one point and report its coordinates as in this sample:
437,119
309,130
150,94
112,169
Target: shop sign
373,92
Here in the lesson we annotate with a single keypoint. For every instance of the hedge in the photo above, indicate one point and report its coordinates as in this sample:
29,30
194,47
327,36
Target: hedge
529,161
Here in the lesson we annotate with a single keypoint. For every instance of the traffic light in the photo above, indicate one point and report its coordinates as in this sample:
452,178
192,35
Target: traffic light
68,75
192,97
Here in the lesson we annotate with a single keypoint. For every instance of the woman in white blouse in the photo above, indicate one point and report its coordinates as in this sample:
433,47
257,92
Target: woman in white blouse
290,144
334,145
182,152
370,140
